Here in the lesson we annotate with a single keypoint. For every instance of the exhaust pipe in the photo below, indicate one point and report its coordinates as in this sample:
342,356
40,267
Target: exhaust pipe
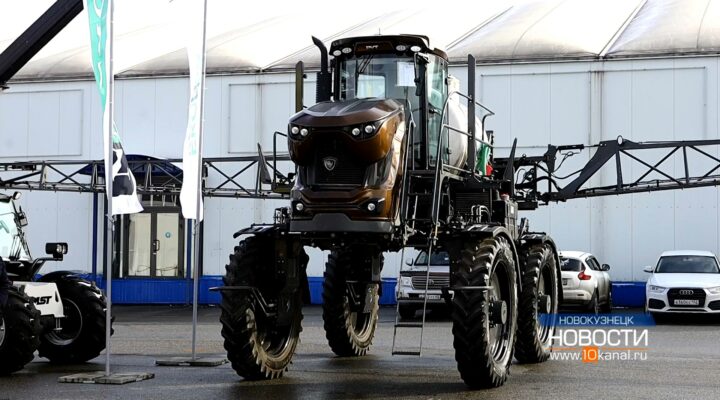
323,86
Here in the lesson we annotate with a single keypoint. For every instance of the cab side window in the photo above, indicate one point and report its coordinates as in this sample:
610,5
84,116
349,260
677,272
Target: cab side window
436,95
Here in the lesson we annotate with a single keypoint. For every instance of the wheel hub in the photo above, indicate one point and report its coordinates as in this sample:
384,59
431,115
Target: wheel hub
544,304
2,331
498,312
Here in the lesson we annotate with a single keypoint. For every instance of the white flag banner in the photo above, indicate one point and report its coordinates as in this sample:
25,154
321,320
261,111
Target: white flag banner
190,196
119,181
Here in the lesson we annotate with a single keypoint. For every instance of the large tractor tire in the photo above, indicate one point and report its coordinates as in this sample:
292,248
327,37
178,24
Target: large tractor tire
82,337
484,321
19,331
349,329
538,305
257,346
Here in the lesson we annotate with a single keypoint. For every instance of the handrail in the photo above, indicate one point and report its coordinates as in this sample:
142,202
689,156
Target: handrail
439,162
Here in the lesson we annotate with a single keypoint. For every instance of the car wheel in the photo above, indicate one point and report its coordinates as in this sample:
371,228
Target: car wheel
607,306
594,305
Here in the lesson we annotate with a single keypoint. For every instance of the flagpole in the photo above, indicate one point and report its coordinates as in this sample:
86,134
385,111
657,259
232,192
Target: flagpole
199,203
109,190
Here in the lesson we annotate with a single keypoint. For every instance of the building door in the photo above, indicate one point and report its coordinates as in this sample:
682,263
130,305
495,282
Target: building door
152,244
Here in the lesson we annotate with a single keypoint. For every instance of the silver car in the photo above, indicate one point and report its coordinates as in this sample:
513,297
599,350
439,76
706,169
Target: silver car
585,282
411,288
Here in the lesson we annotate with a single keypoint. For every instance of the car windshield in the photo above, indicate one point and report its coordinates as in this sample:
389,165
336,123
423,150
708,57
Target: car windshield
439,258
687,265
570,264
12,246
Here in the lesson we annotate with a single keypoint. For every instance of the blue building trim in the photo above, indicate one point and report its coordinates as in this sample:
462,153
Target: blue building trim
179,291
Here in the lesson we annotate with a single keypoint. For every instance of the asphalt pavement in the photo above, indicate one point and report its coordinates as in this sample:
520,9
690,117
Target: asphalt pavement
683,360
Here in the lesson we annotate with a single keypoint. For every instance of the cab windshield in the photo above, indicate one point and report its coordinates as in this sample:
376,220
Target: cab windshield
438,258
388,76
12,245
378,75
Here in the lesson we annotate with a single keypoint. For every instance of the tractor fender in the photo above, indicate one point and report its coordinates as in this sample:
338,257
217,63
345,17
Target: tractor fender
45,296
69,277
543,238
279,233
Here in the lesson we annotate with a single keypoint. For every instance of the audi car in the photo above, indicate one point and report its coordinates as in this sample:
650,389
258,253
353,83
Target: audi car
413,276
585,282
684,282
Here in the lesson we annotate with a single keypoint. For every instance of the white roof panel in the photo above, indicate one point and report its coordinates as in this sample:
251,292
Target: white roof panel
671,28
547,30
150,34
442,30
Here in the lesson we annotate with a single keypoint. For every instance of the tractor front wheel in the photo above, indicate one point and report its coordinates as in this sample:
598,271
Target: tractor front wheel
258,345
82,336
350,302
19,331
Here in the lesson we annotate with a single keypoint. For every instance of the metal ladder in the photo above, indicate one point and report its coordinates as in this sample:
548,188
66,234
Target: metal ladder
416,351
408,193
399,325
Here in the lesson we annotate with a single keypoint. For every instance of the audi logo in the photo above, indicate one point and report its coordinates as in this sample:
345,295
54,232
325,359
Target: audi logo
686,292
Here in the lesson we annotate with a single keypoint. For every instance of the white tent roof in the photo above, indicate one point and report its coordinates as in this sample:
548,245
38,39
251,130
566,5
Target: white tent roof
150,34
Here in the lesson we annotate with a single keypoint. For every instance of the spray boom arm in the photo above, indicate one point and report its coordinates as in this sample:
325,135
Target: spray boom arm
538,180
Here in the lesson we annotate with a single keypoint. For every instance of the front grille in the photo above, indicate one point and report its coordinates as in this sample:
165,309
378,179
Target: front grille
437,281
714,305
343,169
656,304
686,294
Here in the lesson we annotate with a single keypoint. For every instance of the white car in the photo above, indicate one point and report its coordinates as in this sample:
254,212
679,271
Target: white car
585,282
411,288
684,282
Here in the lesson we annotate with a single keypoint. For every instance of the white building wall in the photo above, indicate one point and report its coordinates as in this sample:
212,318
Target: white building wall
559,103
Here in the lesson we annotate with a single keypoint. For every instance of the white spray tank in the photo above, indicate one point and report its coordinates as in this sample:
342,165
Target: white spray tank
457,117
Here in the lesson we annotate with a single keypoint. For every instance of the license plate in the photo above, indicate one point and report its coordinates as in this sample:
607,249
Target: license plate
686,302
432,297
565,282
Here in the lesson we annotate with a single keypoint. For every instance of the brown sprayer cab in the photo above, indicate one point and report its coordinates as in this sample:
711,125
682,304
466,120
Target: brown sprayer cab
391,157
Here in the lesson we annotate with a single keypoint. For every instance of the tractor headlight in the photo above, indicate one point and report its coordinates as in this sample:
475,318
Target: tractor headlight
298,132
406,281
714,290
656,289
364,131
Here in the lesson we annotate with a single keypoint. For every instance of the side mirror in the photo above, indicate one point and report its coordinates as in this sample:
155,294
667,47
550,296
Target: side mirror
605,267
56,250
22,218
649,269
409,262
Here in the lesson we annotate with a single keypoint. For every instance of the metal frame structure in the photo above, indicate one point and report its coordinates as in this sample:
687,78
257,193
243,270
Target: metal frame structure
543,168
154,176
